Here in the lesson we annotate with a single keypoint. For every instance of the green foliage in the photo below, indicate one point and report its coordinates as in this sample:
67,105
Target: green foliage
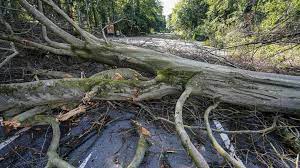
272,26
187,16
139,16
143,16
216,18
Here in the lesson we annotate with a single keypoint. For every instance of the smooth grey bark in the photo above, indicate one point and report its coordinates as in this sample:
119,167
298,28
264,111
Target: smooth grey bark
262,91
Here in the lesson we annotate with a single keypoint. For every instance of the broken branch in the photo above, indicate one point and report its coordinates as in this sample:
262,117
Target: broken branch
184,137
216,145
143,145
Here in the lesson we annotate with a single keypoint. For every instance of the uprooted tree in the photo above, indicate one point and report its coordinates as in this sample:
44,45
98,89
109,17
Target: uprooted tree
174,75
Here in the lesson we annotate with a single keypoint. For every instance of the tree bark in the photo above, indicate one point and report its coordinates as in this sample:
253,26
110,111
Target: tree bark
262,91
174,74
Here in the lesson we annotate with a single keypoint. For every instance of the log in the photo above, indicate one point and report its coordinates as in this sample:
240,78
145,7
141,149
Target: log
22,96
262,91
258,90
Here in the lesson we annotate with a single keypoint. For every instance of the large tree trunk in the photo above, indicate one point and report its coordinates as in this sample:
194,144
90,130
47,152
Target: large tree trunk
263,91
174,75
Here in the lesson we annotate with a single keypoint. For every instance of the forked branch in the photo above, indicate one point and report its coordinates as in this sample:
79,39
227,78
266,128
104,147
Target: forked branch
82,32
50,25
216,145
53,158
13,48
8,58
45,35
185,140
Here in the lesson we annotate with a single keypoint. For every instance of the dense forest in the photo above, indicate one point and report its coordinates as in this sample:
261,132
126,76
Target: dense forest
132,17
113,83
257,32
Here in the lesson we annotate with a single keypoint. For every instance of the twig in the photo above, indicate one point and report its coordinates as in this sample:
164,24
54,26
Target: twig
8,58
263,131
13,48
143,145
216,145
279,155
11,139
53,157
185,140
103,29
297,161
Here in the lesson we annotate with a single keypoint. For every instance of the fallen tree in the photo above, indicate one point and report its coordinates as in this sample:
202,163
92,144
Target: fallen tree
262,91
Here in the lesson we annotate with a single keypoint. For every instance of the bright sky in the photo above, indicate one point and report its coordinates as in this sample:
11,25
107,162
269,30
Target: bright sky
168,6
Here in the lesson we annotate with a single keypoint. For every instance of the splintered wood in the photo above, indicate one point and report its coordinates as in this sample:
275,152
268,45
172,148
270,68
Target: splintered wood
66,116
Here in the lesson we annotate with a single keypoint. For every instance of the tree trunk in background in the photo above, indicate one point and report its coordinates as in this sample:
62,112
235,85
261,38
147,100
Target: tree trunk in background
70,11
96,17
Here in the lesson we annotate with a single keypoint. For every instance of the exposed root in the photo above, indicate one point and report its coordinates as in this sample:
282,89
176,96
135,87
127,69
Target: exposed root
143,145
185,140
216,145
53,158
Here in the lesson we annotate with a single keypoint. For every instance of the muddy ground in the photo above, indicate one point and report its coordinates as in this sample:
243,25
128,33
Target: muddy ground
105,137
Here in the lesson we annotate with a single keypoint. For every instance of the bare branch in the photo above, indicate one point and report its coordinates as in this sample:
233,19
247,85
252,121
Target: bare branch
82,32
45,36
53,157
29,44
13,48
6,49
216,145
8,58
143,145
185,140
103,29
104,36
49,24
